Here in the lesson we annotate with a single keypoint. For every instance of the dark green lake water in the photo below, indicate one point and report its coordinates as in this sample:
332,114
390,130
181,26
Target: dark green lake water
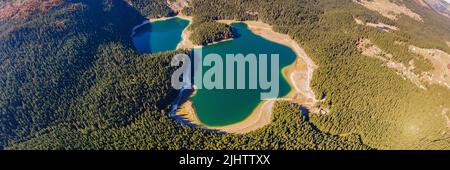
159,36
225,107
218,107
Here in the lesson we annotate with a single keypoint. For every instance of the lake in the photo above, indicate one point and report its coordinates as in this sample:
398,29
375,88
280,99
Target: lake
224,107
159,36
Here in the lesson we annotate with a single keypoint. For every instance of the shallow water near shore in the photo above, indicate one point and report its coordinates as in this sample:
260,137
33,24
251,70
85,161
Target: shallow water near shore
219,107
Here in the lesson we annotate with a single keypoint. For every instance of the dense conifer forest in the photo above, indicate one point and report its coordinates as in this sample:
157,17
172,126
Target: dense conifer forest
71,79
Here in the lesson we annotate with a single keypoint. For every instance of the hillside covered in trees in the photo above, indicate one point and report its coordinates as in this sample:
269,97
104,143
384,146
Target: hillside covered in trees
71,79
206,31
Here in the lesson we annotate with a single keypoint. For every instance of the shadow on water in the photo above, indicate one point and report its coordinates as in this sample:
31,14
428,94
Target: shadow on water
305,113
183,97
143,46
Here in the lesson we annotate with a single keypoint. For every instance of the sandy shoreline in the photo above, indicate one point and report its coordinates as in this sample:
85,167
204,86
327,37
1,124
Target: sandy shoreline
298,74
185,42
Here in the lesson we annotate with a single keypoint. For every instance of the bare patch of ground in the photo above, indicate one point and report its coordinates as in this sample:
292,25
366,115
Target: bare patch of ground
23,9
369,49
441,62
381,26
389,9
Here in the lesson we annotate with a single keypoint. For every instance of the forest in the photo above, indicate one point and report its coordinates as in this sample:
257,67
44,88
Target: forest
364,97
44,59
81,85
152,8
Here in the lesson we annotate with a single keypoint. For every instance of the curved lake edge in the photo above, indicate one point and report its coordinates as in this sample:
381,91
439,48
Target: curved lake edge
301,70
185,42
150,20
